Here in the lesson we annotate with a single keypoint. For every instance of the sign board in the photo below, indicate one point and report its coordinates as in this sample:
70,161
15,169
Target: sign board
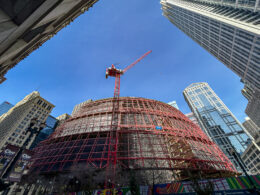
6,157
21,164
158,127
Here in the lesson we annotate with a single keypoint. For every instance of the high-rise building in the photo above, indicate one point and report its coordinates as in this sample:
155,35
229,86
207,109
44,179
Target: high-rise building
51,123
174,104
216,119
253,107
14,123
26,25
62,118
4,107
251,155
229,30
79,106
193,118
251,128
247,91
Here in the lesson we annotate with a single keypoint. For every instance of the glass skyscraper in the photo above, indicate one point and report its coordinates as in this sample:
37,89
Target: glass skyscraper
4,107
228,29
216,119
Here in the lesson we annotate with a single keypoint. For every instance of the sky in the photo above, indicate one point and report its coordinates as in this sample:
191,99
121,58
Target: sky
70,68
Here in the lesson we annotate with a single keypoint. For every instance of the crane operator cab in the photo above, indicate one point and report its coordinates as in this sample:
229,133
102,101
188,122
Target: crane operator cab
112,71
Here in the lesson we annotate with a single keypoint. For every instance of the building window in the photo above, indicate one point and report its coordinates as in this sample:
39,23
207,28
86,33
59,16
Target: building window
218,104
49,108
44,105
197,91
39,102
14,134
196,104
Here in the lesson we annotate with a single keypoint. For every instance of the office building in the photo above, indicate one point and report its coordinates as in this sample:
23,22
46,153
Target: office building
229,30
14,123
193,118
62,118
247,91
253,107
251,128
51,123
4,107
26,25
79,106
151,138
216,119
251,156
174,104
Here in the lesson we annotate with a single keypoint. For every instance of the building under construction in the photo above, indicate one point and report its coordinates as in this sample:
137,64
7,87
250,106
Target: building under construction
150,138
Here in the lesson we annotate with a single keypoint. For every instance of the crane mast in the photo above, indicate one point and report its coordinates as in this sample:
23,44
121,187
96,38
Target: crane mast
114,135
114,72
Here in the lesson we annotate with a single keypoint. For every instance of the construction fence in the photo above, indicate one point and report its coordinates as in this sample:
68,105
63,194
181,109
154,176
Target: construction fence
233,185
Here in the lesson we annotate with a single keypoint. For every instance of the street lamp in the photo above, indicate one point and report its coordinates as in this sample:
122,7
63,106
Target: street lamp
34,129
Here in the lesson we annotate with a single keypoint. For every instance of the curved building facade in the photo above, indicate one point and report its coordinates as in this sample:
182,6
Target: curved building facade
152,138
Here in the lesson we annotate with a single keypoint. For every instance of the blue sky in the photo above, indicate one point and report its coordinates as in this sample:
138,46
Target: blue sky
70,68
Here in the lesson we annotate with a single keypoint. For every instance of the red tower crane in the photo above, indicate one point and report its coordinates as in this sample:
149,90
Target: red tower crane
114,134
114,72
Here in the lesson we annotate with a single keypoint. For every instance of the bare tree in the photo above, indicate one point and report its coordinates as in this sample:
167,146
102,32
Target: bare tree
205,188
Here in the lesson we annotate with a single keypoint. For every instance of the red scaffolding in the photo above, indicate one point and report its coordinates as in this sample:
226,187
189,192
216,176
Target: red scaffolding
150,136
114,133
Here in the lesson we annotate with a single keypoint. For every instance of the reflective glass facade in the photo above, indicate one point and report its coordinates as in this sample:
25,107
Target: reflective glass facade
229,33
48,130
216,119
4,107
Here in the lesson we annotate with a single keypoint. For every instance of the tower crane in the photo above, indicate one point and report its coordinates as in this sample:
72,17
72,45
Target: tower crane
114,72
113,131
